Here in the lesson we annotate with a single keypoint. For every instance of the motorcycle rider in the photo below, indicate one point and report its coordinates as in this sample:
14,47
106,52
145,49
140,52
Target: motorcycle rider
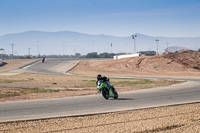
100,79
104,79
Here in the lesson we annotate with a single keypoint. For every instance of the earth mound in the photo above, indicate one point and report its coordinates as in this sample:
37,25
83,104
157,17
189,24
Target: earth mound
182,63
189,59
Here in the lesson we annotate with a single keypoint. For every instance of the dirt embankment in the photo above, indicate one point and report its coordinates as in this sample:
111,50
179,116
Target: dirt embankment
188,59
172,64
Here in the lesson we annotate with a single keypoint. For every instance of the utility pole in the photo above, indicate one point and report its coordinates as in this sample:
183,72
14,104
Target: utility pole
134,37
12,50
157,40
108,47
111,47
167,47
93,46
63,49
29,51
37,48
1,53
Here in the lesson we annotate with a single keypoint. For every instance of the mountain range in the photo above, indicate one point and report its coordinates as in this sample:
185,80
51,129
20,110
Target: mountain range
69,43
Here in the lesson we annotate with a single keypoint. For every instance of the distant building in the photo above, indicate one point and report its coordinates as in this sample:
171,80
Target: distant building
126,56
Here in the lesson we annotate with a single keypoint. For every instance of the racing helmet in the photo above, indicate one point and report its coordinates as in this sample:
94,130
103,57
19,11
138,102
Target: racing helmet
98,76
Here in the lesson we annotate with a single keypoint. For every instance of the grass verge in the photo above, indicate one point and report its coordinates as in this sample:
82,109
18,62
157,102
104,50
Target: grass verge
28,64
7,81
143,83
12,93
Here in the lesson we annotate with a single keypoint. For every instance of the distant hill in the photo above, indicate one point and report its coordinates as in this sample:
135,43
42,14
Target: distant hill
69,43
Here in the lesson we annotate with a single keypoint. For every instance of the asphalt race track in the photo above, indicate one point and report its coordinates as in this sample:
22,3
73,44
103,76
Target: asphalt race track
187,92
52,66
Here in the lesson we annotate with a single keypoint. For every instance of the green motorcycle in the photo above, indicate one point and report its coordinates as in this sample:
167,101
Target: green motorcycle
107,89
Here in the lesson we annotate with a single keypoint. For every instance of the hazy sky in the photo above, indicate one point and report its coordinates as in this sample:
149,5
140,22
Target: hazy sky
170,18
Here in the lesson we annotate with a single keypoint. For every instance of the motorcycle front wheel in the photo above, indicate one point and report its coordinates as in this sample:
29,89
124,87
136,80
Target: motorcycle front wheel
115,93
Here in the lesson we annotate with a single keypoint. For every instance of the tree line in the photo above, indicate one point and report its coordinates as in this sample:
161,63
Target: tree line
101,55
